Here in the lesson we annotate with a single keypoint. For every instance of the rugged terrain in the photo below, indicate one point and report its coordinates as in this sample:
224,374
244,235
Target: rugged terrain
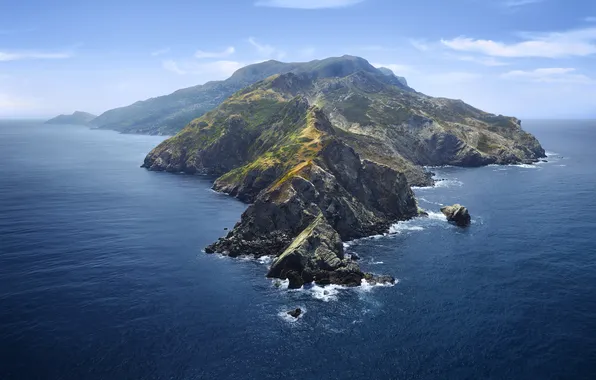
77,118
327,153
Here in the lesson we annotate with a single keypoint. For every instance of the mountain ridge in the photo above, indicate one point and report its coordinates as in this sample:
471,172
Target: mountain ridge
167,114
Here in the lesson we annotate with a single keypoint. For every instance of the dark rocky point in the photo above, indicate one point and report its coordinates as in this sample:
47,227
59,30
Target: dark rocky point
295,313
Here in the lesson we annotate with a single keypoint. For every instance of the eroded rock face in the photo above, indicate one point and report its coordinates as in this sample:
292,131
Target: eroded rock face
303,220
457,214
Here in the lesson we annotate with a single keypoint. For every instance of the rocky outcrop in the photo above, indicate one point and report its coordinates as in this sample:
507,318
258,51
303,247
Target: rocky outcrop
295,313
303,219
457,214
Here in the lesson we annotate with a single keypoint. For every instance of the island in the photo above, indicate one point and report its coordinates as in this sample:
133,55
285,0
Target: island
328,152
77,118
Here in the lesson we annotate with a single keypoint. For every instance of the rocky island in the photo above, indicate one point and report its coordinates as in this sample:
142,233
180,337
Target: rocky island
77,118
328,152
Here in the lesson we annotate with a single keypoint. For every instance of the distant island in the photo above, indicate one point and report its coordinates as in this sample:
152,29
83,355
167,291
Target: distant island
77,118
327,151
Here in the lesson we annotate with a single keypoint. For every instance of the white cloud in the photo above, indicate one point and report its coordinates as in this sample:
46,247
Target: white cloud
420,45
486,61
307,4
520,3
212,70
266,50
580,42
23,55
172,66
549,75
160,52
215,54
399,70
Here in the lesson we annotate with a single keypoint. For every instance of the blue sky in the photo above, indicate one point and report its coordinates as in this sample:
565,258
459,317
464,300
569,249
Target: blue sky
526,58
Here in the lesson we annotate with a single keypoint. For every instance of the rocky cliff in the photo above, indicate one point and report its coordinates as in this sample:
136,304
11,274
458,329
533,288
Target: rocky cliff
328,154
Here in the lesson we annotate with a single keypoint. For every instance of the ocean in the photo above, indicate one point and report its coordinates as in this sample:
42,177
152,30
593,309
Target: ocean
102,274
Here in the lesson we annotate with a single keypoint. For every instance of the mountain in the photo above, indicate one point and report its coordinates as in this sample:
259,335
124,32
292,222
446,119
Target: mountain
77,118
389,72
327,153
166,115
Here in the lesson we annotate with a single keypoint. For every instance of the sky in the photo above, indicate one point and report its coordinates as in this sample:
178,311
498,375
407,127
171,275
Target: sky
523,58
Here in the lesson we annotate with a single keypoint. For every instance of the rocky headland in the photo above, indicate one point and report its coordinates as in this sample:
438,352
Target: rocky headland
328,154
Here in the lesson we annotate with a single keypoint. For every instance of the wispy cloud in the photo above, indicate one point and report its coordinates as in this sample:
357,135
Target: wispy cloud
486,61
26,55
550,75
579,42
159,52
590,19
520,3
266,50
420,45
214,70
307,4
215,54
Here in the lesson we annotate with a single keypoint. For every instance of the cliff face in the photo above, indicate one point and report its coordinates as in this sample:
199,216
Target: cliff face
327,155
303,217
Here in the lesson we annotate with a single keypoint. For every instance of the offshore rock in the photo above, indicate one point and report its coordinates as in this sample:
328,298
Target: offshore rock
457,214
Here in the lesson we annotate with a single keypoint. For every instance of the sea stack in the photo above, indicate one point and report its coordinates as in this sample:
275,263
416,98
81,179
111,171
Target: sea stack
457,214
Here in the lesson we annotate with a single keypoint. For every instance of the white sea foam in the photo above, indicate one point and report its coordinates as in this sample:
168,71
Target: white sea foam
265,260
401,227
376,262
280,284
448,183
366,287
348,244
325,293
526,166
549,154
433,215
431,202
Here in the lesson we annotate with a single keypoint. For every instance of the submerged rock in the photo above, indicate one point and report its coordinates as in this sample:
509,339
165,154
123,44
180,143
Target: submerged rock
295,313
457,214
379,280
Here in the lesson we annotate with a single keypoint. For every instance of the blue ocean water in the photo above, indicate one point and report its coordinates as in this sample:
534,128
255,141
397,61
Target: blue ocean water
102,274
